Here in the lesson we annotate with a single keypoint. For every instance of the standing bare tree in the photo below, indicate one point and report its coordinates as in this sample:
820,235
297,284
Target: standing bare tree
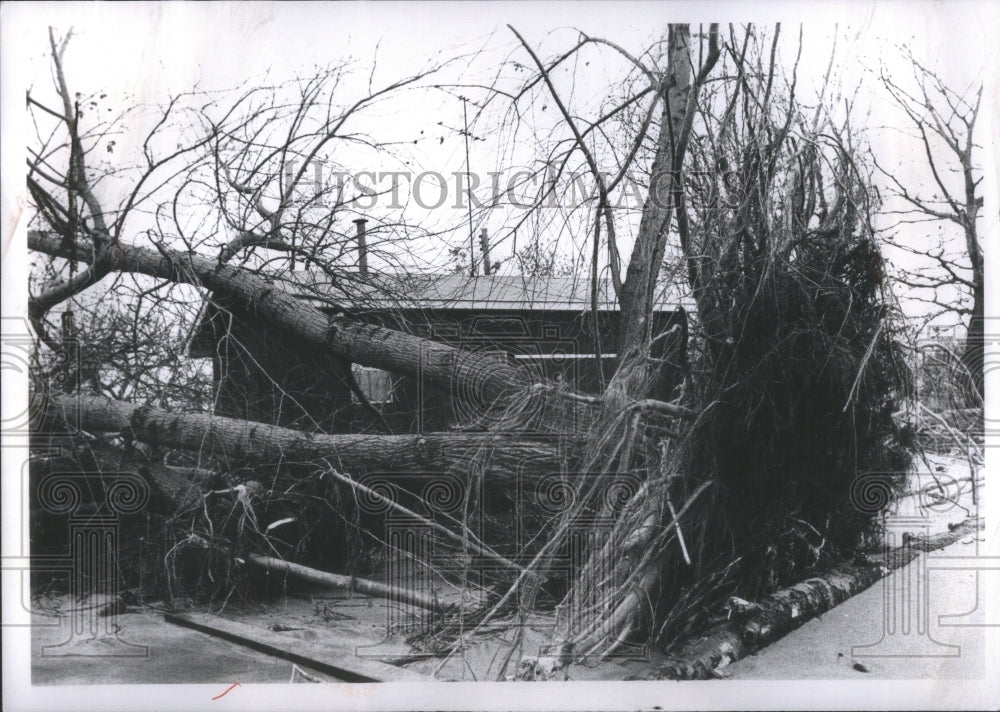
944,120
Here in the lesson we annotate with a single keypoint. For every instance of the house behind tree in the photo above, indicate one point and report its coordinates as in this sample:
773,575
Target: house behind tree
543,324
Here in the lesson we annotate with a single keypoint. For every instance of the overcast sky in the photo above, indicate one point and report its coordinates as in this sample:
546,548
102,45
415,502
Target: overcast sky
144,52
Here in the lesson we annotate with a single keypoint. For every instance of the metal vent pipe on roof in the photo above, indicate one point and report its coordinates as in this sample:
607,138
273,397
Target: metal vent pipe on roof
362,247
485,244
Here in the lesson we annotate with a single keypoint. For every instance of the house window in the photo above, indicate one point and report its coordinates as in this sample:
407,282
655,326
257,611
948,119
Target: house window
375,383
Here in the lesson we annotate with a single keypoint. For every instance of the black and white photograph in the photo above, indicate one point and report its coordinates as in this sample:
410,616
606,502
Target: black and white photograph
508,356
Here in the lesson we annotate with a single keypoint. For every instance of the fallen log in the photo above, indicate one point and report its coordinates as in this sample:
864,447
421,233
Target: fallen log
352,584
172,489
230,440
441,365
752,626
239,442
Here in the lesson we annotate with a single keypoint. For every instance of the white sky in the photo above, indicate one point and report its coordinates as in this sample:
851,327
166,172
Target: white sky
144,52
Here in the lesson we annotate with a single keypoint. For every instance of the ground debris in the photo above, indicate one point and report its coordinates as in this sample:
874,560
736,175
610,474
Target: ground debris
778,614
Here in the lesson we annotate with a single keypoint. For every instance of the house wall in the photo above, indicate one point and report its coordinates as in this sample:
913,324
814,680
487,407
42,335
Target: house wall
279,381
557,345
290,383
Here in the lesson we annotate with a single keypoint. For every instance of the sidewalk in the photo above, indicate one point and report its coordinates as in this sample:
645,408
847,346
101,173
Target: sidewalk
822,648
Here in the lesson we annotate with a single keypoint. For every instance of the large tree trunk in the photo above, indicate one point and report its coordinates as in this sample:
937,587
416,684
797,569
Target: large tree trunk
240,442
644,265
752,626
975,344
603,610
473,376
172,489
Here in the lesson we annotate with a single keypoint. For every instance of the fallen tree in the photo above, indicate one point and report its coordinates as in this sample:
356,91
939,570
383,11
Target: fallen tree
235,442
450,369
172,489
751,626
742,480
350,584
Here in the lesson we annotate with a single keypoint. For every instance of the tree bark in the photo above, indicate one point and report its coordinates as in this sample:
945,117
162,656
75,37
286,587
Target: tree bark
657,212
172,489
975,344
770,619
637,373
241,441
348,583
464,374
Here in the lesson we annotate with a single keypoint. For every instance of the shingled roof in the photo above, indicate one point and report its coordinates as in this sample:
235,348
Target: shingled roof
459,291
381,292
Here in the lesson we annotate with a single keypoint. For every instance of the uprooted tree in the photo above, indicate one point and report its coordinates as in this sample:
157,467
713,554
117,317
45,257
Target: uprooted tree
737,482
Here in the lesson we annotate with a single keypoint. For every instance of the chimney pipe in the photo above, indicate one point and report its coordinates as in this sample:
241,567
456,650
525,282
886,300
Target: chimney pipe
485,243
362,247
